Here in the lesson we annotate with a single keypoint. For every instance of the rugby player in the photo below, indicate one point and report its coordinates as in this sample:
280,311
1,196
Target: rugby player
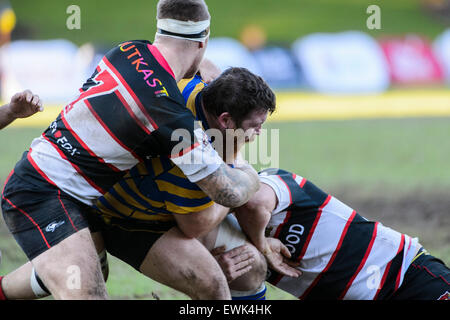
139,214
126,112
22,105
341,254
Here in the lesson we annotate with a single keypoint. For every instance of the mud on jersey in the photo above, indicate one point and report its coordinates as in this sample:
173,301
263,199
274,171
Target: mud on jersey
126,112
342,255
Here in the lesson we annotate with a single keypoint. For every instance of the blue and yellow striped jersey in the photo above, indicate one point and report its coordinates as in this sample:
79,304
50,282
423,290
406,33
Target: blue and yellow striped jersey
155,189
191,89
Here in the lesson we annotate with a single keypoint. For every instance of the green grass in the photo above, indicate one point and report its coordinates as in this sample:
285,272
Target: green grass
109,22
398,154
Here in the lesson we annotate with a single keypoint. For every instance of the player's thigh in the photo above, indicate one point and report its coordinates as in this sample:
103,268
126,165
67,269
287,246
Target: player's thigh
71,269
186,265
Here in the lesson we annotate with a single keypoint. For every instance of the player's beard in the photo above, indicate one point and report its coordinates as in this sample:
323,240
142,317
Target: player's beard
191,72
195,66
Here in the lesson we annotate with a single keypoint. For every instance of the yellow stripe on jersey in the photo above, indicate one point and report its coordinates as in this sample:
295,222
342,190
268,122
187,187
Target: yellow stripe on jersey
179,191
186,210
118,205
177,172
189,88
105,212
158,217
133,203
142,169
157,166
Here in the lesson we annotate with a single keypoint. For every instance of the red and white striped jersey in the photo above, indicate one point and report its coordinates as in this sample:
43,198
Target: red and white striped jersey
342,255
126,112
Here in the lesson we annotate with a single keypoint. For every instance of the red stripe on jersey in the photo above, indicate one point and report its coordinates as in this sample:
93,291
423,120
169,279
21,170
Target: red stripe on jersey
160,58
7,179
88,104
185,151
287,187
36,167
397,280
363,262
65,211
127,106
383,280
286,219
131,92
313,228
63,156
431,273
302,184
29,218
85,147
333,257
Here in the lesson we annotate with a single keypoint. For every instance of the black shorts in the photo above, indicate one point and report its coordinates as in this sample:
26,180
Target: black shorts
39,215
427,278
131,240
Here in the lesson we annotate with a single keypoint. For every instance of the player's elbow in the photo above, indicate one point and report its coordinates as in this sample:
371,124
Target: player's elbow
237,196
229,187
231,198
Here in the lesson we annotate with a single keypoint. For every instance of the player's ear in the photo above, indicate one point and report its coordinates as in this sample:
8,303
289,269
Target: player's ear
226,121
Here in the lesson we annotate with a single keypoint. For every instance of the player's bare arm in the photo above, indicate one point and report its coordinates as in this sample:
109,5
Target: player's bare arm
208,70
231,187
253,218
22,105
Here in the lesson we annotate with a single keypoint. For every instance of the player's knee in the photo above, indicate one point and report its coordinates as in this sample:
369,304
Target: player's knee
212,285
255,277
82,280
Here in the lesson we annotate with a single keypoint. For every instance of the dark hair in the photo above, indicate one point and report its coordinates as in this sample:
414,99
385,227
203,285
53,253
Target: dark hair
184,10
238,92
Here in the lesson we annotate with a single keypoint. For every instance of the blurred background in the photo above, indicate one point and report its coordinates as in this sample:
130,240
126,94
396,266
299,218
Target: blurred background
362,89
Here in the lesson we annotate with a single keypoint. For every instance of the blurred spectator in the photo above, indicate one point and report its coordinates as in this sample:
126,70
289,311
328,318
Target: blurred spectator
253,37
439,9
7,21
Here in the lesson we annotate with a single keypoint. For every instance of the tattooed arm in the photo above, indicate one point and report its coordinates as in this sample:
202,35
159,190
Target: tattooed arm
231,187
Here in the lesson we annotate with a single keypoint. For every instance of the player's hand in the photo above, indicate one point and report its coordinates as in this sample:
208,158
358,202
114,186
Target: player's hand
25,104
235,262
278,255
208,70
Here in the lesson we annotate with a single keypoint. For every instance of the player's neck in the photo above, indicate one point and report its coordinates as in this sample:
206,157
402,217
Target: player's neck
178,63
